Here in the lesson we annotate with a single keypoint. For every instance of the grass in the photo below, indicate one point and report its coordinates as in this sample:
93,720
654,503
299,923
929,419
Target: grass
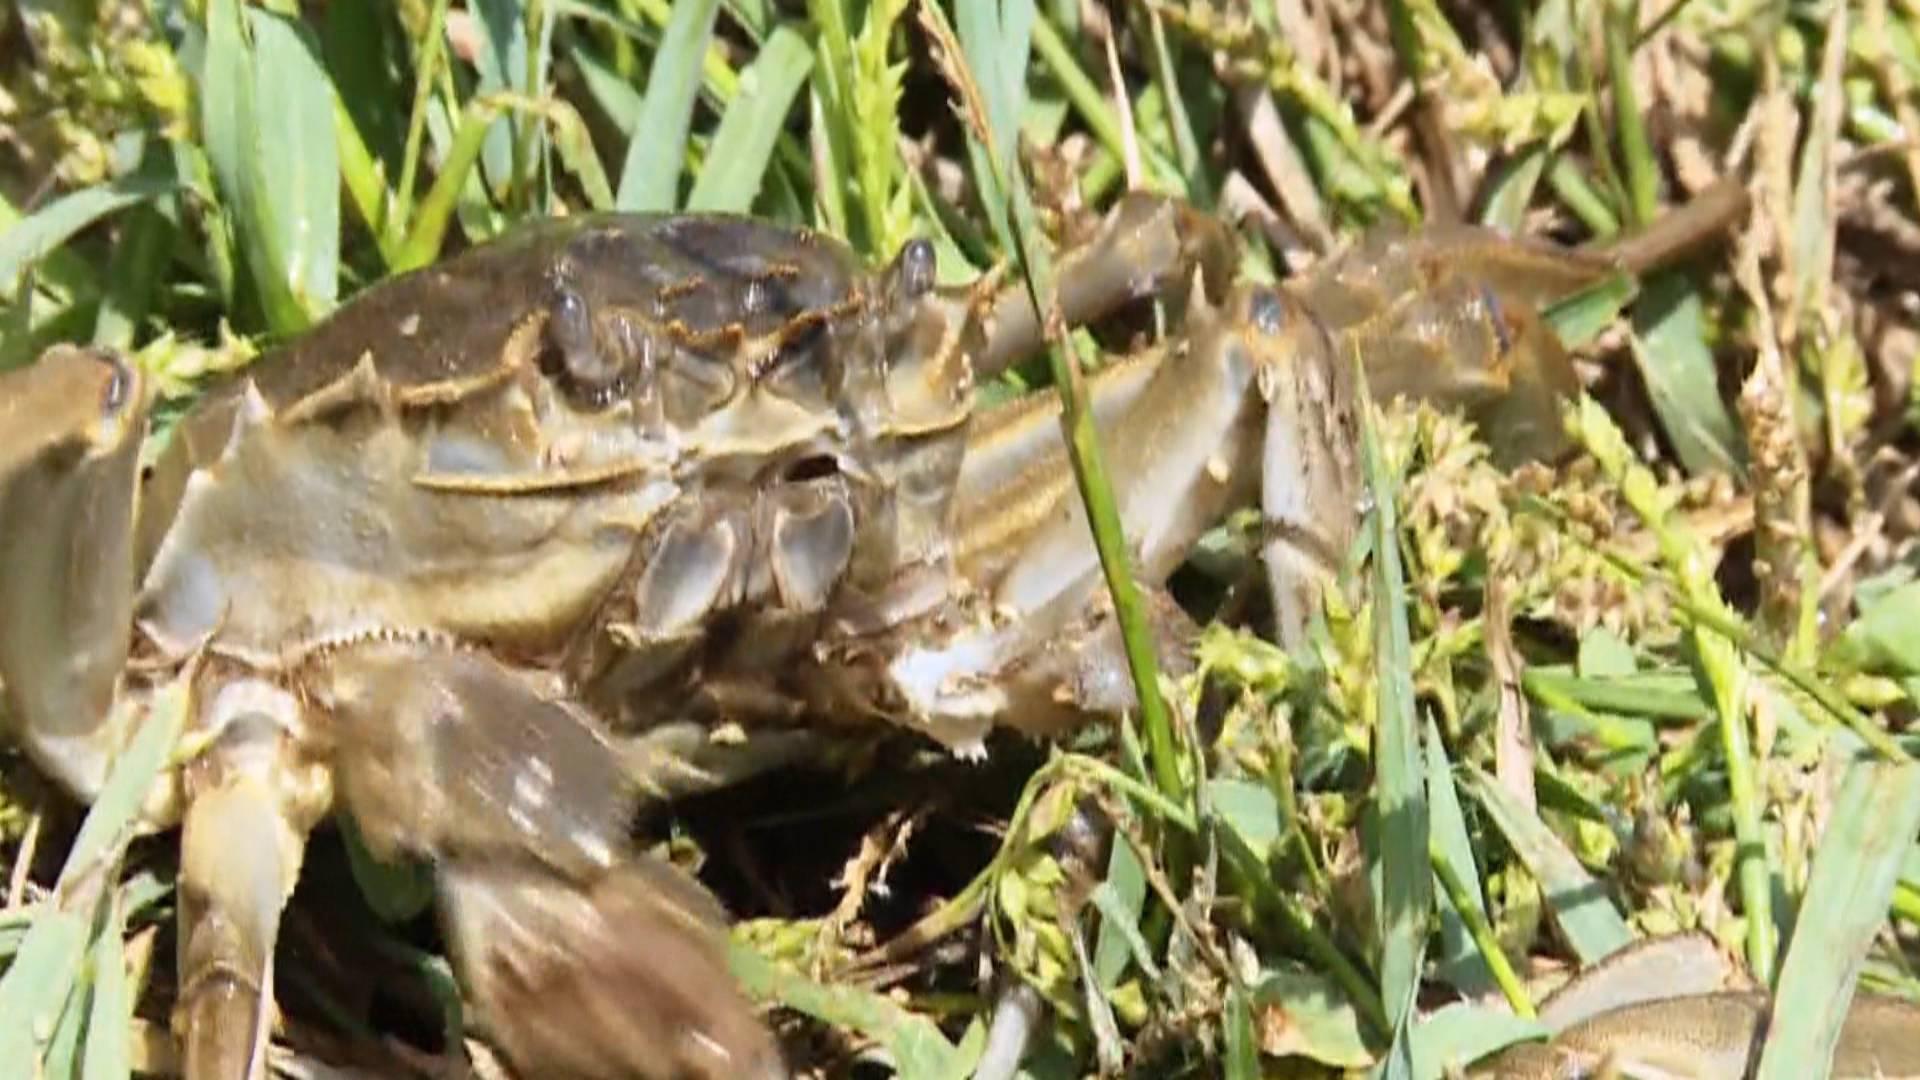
1666,685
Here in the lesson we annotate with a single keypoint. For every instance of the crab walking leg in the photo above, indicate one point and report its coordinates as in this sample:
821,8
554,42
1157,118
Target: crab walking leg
1148,246
252,797
583,957
70,430
1252,404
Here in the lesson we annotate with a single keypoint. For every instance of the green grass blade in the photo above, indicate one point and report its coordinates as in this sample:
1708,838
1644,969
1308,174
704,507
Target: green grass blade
502,63
1399,781
299,163
913,1042
34,990
1670,346
39,234
429,228
105,1054
278,179
1460,962
1579,903
736,163
619,102
139,260
573,143
1460,1033
426,67
1855,866
650,179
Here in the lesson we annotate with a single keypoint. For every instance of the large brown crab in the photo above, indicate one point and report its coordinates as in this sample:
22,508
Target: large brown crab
622,507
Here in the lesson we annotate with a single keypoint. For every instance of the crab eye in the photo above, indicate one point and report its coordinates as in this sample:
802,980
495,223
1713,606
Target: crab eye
1267,312
912,272
595,372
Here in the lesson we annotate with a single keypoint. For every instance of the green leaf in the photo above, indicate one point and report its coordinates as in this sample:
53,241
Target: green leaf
1855,865
34,990
1249,809
1242,1056
650,179
1307,1016
1885,638
299,164
1399,783
1579,903
105,1054
914,1043
736,162
40,233
1460,962
1459,1034
267,110
1125,896
1670,345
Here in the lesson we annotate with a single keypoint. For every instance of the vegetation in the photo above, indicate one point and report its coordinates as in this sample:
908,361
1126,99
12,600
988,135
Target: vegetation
1665,685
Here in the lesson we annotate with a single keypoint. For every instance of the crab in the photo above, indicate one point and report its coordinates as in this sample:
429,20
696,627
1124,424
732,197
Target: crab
619,508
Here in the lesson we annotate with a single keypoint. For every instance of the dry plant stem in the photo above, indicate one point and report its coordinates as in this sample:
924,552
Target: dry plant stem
1720,665
23,862
1781,479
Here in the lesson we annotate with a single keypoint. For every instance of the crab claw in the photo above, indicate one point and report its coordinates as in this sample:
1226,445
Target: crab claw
70,428
584,958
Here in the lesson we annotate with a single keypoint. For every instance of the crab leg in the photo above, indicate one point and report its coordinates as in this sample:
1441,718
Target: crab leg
1149,246
1250,405
583,957
252,797
70,430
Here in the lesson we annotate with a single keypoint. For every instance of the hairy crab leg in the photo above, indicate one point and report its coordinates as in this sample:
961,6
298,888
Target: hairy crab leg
70,431
584,957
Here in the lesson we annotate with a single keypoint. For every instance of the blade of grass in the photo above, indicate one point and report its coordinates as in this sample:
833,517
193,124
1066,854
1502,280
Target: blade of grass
1462,906
1076,419
833,115
1092,106
38,235
257,164
299,162
104,1050
1579,903
1855,866
501,61
650,178
1636,149
49,961
1399,784
426,67
743,144
1723,673
1670,348
429,228
62,273
139,260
